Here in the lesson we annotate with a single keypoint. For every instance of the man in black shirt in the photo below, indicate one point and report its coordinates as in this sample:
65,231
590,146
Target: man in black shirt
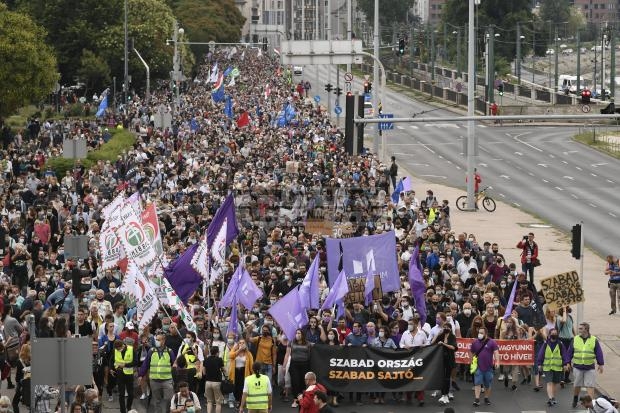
214,368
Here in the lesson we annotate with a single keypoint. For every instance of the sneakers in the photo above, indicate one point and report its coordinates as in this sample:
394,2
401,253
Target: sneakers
549,402
294,405
612,312
450,396
487,401
231,405
435,393
574,403
476,402
143,396
110,398
501,377
514,387
444,399
510,377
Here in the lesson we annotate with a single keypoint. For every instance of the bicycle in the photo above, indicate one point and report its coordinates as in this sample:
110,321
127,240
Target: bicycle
487,202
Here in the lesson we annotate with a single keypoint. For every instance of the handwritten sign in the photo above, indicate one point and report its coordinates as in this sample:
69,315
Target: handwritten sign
356,290
562,289
511,352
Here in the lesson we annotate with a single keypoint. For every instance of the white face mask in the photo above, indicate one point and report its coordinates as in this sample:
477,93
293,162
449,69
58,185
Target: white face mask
467,312
331,336
187,341
381,334
230,341
411,327
112,290
480,336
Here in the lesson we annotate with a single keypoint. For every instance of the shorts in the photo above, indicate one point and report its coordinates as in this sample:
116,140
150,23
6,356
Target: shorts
213,392
484,378
554,376
584,378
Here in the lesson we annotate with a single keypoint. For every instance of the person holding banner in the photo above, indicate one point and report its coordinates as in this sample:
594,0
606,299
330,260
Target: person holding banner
447,340
486,350
552,361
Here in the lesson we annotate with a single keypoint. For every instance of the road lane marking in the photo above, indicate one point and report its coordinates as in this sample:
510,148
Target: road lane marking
505,177
596,165
545,181
414,127
558,188
593,174
574,196
565,163
551,156
610,181
612,214
518,153
530,174
578,168
544,165
400,127
592,205
435,176
569,177
516,138
502,195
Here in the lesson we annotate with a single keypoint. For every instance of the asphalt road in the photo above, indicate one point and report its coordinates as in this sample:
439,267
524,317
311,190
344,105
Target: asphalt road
536,168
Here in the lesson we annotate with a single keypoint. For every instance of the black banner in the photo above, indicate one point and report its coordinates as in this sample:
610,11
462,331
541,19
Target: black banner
370,369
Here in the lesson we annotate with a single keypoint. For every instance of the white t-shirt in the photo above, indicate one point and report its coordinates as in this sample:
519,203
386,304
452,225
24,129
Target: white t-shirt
179,401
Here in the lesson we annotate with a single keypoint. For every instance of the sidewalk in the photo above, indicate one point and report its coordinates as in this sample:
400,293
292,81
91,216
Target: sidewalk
506,226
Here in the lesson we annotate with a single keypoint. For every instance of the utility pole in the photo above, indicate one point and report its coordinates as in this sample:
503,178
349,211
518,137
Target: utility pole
433,56
612,65
126,58
458,52
349,27
603,42
471,87
555,77
375,78
444,53
578,64
518,62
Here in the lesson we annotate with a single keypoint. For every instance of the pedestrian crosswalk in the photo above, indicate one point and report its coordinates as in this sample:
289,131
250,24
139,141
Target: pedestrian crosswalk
436,126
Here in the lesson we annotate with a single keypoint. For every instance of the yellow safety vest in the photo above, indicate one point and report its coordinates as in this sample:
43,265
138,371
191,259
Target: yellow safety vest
128,359
190,359
553,359
160,368
258,395
583,353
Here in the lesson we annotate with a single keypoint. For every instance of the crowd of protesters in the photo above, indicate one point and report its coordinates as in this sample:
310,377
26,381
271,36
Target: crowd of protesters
285,180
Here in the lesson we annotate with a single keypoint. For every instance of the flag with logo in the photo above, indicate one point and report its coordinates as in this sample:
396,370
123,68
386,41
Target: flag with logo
150,224
134,238
247,290
289,313
200,260
111,212
218,252
110,247
309,289
226,211
187,319
146,298
369,285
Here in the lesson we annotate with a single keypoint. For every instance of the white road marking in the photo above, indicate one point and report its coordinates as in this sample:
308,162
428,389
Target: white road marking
518,153
400,127
574,196
569,152
505,177
596,165
449,161
578,168
435,176
530,174
569,177
502,195
440,157
592,205
593,174
612,214
551,156
545,181
544,165
427,148
610,181
413,164
441,125
414,127
558,188
565,163
483,164
484,150
482,126
515,204
527,144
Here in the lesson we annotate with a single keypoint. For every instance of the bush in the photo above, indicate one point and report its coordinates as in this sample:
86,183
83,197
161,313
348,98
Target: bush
122,140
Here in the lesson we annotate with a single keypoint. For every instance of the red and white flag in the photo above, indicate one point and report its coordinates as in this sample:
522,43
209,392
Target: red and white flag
133,237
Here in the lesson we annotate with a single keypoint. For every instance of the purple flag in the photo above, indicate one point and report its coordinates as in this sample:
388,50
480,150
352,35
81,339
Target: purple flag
289,313
233,324
229,296
337,291
309,289
407,186
225,211
182,276
511,300
354,261
417,284
247,291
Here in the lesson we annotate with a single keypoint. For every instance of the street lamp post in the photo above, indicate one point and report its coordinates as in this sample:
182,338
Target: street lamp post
176,63
518,62
126,56
458,51
555,78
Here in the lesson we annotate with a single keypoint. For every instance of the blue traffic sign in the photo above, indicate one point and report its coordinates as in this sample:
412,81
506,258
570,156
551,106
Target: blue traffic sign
338,110
317,98
386,125
367,97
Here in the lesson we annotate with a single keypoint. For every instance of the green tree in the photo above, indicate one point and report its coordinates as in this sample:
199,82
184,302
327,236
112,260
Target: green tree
28,71
204,21
555,11
94,72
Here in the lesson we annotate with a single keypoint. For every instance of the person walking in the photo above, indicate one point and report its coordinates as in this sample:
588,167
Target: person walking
320,399
306,399
613,272
447,340
584,354
214,368
257,392
552,361
158,363
598,405
241,362
122,365
180,401
529,255
393,172
297,357
487,352
566,329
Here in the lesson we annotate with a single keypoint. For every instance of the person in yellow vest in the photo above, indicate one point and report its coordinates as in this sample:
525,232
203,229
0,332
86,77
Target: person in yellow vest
158,363
552,362
122,365
585,353
256,391
191,351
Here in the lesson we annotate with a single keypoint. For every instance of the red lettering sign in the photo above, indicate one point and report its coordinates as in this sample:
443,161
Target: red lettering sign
511,352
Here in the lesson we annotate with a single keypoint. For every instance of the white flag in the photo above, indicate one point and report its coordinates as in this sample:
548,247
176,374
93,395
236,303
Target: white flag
200,261
232,82
135,241
146,298
218,252
110,247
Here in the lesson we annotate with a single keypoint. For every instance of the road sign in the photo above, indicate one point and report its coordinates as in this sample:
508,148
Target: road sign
347,86
348,77
317,98
386,125
338,110
53,361
321,52
366,77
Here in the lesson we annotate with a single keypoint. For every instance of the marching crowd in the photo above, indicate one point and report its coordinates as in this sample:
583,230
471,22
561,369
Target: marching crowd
284,178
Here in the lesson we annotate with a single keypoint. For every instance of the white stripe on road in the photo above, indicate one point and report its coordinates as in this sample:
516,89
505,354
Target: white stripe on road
612,214
592,205
400,127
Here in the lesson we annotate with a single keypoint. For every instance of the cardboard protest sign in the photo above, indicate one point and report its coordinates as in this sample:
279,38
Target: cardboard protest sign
562,289
356,290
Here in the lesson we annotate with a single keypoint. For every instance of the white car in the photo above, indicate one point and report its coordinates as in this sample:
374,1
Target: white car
369,110
298,70
550,52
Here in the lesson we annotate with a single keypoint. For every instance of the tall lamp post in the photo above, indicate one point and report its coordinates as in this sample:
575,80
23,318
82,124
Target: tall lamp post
176,63
126,56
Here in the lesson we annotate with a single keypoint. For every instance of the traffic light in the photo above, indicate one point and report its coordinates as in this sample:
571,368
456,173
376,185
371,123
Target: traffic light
328,87
366,90
338,91
576,242
264,44
369,87
401,47
585,96
500,88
